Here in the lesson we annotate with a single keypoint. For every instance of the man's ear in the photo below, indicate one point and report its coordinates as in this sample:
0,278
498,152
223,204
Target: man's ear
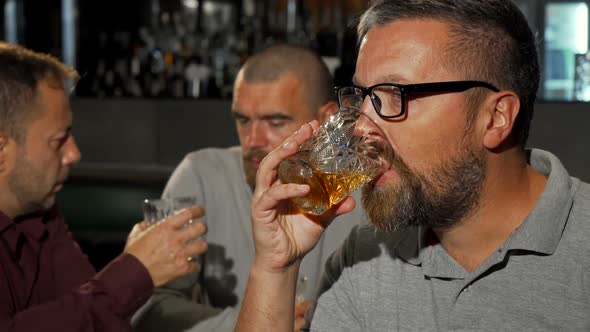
500,119
326,111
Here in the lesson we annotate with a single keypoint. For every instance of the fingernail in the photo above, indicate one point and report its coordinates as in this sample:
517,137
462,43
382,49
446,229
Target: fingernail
287,145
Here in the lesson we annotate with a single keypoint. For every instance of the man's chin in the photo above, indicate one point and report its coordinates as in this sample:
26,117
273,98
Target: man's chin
381,200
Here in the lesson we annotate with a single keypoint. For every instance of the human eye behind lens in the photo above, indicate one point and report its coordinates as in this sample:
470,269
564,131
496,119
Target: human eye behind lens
351,97
390,97
346,101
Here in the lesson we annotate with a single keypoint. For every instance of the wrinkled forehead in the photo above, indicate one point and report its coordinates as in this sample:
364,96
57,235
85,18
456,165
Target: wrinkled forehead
404,51
285,94
52,102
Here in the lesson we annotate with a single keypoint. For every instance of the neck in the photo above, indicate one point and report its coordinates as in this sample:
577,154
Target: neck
10,210
510,191
9,204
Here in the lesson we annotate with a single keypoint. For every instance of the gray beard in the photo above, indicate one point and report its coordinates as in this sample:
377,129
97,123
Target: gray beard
440,200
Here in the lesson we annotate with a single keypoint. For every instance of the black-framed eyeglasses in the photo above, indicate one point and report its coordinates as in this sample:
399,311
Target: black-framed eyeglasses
389,99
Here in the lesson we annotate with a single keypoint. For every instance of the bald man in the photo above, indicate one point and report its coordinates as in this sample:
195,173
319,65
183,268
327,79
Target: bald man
275,92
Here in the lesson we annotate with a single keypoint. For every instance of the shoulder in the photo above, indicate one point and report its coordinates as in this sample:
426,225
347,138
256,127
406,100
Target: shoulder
581,192
580,210
212,160
205,167
577,230
231,154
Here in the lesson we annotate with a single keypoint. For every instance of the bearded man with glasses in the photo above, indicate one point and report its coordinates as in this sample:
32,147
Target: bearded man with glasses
470,230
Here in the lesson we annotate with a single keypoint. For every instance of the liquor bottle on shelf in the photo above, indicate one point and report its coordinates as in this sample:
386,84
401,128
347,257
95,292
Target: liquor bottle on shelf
176,82
155,83
189,51
197,76
133,85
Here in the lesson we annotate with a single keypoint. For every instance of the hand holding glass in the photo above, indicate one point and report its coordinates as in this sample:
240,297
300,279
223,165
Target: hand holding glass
156,210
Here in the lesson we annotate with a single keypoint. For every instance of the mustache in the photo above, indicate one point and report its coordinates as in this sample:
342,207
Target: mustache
254,154
397,163
379,149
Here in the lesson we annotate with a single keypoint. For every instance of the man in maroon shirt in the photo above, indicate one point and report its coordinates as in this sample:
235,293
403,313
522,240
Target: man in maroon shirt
46,283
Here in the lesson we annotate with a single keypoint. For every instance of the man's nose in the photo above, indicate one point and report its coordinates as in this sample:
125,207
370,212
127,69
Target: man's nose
71,153
257,135
367,123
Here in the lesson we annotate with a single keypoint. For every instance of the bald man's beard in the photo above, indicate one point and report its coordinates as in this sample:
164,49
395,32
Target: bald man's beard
442,198
249,168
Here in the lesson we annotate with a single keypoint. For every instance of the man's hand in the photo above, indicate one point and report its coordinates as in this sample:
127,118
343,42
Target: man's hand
166,248
283,234
300,310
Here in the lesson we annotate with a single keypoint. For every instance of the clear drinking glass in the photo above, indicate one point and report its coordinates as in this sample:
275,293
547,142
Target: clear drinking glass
345,153
158,209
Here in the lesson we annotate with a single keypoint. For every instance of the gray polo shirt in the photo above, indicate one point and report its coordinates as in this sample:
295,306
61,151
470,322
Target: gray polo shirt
538,280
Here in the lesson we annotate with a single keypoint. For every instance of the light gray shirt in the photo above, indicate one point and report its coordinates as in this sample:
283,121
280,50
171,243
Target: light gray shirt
216,177
538,280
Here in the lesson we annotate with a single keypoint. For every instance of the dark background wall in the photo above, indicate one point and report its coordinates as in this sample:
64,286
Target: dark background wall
142,134
149,132
562,128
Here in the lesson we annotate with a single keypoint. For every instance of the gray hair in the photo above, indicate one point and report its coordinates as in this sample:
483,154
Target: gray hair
271,63
490,40
21,70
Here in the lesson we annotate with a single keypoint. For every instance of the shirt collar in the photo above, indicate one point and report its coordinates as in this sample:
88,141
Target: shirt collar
31,226
542,229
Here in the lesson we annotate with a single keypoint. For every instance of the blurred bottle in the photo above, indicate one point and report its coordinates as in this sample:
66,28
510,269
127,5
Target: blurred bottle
154,78
199,77
195,48
133,85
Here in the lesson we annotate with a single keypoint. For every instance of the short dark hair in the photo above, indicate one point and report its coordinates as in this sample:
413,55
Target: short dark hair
269,64
21,70
490,40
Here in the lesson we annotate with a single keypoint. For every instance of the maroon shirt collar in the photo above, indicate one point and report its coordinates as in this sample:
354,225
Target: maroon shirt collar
31,227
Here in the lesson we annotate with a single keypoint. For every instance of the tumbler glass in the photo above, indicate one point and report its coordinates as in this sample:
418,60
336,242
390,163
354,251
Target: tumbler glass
346,152
158,209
